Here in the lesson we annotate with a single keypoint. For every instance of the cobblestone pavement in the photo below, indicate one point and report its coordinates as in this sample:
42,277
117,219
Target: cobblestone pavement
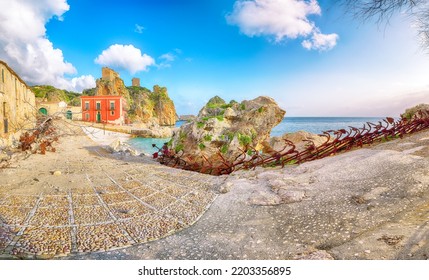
370,203
97,203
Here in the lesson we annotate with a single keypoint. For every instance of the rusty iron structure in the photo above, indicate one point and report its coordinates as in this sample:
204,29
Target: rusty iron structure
336,141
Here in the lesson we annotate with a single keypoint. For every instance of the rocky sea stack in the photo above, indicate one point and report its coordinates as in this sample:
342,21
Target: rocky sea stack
227,129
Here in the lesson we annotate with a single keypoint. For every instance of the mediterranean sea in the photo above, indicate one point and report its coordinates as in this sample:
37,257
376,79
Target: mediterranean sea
289,124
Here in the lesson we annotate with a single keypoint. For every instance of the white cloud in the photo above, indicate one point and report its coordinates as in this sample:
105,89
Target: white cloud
322,42
125,57
24,45
138,29
168,57
166,60
83,82
280,19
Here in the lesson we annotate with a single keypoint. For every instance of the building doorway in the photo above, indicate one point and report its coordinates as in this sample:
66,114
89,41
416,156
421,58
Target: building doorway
98,117
69,115
43,111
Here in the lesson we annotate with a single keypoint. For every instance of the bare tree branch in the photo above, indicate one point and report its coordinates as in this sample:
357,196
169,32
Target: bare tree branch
383,10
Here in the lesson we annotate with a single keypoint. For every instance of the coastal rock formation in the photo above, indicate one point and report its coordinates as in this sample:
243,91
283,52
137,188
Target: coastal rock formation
117,146
299,139
111,84
156,104
163,108
228,129
411,112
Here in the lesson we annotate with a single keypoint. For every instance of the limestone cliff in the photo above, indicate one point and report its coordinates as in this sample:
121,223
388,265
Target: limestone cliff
227,128
156,104
116,87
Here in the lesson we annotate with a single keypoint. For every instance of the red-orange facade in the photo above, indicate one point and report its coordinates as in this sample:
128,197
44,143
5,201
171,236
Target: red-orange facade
103,109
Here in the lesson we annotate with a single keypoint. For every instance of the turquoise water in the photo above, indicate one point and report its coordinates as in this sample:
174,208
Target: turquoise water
290,124
144,145
179,123
319,124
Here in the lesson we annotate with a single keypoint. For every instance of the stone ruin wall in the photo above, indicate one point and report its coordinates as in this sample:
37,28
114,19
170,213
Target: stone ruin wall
110,84
108,74
135,82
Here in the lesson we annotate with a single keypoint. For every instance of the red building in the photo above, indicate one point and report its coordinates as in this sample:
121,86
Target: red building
103,109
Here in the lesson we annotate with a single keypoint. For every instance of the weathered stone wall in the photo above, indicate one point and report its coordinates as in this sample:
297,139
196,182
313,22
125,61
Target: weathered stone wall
55,110
76,112
135,82
108,74
17,106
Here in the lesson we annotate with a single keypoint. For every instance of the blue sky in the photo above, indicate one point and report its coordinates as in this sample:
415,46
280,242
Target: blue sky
308,55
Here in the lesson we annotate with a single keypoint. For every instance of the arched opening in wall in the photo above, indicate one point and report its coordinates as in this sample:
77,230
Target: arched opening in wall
43,111
69,115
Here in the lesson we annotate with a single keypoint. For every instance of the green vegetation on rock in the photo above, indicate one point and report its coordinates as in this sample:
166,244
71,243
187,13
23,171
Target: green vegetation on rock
411,112
244,140
230,135
179,148
89,92
215,102
145,104
51,94
216,107
224,149
219,118
182,136
201,146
